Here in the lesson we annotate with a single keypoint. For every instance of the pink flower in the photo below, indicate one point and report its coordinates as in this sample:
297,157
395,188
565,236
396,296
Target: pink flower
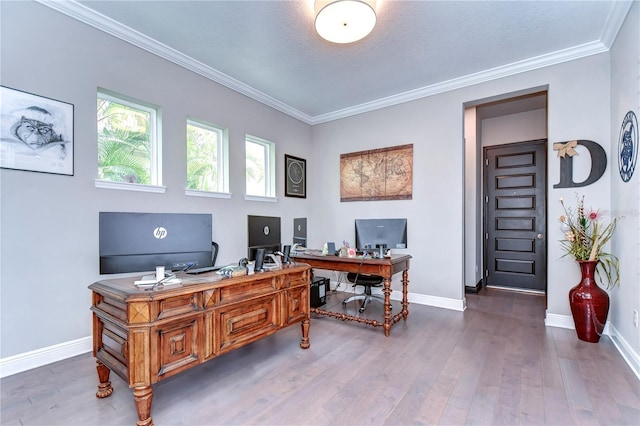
595,215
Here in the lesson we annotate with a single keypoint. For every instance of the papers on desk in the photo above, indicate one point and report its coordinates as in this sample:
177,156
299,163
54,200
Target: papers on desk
150,281
312,252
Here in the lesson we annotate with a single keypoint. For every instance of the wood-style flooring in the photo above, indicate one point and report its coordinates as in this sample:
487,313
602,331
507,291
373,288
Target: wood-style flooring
495,363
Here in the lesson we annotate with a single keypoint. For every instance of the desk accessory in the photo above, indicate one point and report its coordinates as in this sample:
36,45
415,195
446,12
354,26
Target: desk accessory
259,259
159,273
232,271
272,261
150,282
285,257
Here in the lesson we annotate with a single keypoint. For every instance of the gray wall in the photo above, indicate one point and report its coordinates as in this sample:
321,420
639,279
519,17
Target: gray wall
578,108
49,222
520,127
625,197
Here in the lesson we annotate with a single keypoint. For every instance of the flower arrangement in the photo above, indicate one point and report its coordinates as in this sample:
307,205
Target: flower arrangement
585,236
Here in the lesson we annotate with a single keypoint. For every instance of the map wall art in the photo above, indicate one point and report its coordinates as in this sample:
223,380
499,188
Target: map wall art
377,174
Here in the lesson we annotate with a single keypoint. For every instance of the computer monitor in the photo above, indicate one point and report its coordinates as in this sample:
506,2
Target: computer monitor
300,231
263,232
373,233
138,242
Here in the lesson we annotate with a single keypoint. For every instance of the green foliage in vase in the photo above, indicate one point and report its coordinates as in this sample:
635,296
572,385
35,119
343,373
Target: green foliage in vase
586,233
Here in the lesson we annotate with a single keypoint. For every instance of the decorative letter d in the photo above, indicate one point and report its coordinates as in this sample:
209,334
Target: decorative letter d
598,163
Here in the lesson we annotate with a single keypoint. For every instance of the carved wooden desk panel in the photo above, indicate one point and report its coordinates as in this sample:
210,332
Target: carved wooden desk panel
384,267
147,336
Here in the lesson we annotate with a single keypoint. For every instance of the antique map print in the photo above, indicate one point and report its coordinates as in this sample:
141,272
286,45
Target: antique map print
377,174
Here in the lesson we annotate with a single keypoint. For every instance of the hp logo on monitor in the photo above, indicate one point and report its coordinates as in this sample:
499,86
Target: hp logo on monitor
159,233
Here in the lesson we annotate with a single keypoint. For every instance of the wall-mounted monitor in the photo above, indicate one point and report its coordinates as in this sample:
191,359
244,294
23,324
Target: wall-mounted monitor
263,232
372,233
138,242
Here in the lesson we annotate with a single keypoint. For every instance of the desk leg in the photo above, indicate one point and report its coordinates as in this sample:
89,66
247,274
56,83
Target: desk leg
387,305
405,294
104,387
142,396
304,343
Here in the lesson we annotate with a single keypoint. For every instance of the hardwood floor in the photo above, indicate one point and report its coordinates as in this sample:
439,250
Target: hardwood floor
496,363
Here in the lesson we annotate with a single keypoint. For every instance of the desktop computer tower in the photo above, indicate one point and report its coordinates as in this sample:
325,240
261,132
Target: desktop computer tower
319,289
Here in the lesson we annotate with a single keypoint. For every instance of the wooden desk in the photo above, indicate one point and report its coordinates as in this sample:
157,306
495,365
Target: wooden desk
147,336
385,267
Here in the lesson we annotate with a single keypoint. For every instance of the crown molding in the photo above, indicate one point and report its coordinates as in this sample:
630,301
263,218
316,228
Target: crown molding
103,23
538,62
615,20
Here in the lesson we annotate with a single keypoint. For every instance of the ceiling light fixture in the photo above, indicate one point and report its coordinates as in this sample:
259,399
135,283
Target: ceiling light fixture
345,21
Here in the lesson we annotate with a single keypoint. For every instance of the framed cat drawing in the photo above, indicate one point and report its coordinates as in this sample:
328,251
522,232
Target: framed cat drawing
36,133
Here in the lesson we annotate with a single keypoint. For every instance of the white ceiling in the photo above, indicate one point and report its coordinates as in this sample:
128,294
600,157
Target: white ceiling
269,50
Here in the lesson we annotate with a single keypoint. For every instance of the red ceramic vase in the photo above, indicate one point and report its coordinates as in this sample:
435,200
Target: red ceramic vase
589,304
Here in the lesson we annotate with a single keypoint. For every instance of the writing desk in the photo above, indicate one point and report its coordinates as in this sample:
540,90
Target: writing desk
148,336
384,267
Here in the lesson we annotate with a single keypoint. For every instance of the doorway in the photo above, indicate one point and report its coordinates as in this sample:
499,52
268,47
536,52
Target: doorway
495,123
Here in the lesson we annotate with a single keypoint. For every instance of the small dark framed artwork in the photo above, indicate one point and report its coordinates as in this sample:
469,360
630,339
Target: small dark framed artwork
36,133
295,176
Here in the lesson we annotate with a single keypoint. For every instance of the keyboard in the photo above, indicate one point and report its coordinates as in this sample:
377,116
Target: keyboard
196,271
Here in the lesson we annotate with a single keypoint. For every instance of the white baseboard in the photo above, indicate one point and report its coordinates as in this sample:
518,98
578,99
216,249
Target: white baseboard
632,358
26,361
37,358
420,299
561,321
435,301
623,347
566,321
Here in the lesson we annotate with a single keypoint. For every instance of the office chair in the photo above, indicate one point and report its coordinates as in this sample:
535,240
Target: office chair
367,281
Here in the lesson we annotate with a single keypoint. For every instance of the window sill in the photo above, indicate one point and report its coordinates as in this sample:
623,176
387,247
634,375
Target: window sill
208,194
125,186
262,199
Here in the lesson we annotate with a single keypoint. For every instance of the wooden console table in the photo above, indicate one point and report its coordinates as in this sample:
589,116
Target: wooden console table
384,267
147,336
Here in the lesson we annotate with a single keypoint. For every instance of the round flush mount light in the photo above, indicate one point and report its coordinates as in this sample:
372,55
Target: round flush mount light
345,21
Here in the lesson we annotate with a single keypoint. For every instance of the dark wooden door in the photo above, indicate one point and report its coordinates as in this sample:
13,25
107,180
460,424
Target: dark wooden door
515,215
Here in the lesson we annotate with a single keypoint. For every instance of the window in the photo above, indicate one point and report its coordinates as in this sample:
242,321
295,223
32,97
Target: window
207,160
128,147
260,169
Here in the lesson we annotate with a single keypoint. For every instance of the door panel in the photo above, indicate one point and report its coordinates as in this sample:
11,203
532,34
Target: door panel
515,215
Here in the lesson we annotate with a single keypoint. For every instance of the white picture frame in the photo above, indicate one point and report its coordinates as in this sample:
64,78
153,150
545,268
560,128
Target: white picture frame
36,133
